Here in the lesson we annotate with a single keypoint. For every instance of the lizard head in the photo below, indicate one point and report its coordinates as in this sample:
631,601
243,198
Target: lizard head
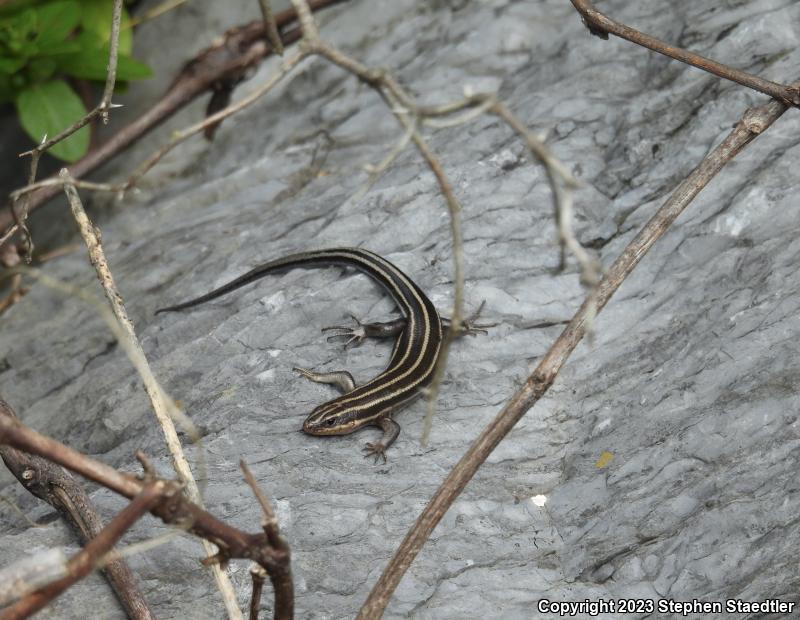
332,418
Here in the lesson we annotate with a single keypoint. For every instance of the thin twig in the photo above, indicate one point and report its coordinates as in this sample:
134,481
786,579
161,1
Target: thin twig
239,50
45,144
404,109
59,182
164,407
269,514
83,563
58,252
456,314
753,123
281,579
258,575
113,54
108,91
154,12
601,25
233,543
181,136
375,171
57,487
271,27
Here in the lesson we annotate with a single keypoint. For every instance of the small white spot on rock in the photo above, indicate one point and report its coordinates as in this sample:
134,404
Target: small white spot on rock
274,302
539,500
601,425
283,512
505,159
267,376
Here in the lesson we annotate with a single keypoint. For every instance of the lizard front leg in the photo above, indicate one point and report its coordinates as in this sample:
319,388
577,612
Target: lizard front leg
391,430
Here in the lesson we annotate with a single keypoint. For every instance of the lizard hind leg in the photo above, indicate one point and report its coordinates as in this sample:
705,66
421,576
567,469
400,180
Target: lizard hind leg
361,331
338,378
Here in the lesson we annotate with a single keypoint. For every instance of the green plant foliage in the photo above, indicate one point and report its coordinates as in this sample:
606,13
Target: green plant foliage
44,41
41,107
91,61
97,20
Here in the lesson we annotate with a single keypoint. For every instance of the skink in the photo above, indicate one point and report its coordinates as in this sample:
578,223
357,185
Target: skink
416,350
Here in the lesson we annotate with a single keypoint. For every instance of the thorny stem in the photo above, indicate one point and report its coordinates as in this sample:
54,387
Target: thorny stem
101,109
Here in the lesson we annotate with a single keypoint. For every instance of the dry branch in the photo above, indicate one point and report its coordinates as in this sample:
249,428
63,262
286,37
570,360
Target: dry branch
85,561
600,25
240,50
164,408
409,114
58,488
271,27
403,105
175,509
753,123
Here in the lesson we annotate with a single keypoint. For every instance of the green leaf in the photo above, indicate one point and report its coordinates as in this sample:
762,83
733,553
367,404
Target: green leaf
7,92
55,21
49,108
97,20
55,48
40,70
15,6
91,64
18,34
9,66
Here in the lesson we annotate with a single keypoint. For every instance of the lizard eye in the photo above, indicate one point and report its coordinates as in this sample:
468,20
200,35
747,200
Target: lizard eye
330,421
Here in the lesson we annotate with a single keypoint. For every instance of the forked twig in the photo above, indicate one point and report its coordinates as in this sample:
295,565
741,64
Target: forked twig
174,510
753,123
404,109
271,529
100,110
57,487
83,562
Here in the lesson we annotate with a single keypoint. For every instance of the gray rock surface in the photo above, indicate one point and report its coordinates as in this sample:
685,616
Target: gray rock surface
690,385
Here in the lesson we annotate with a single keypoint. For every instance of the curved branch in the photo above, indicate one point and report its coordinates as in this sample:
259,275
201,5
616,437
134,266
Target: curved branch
754,122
